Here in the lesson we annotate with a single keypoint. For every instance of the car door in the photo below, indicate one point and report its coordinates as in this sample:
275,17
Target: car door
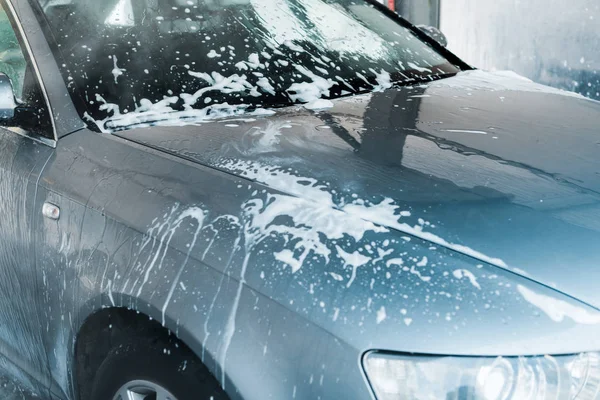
23,154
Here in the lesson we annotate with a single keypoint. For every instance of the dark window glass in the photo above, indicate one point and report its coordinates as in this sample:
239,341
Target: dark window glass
28,111
141,61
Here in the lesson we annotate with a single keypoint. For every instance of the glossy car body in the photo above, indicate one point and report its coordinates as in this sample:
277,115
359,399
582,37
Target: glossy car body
281,249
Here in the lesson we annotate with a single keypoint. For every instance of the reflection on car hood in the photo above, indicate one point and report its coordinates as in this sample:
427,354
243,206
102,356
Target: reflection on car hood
489,165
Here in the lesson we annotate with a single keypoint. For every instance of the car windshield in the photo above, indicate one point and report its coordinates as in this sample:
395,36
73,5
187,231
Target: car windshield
131,62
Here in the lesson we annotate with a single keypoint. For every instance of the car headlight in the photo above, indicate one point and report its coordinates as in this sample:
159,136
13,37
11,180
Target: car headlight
400,377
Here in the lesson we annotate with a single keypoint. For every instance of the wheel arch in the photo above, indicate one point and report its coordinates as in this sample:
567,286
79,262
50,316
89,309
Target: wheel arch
103,326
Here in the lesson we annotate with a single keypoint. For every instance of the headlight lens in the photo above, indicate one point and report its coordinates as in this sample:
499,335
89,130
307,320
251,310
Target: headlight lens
404,377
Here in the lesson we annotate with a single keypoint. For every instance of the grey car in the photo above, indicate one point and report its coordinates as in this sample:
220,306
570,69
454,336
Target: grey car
286,199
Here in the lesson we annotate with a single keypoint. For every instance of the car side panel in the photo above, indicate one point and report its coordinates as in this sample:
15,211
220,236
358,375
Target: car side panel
21,331
146,231
202,251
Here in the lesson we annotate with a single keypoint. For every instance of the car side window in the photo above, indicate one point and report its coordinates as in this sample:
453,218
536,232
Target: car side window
12,60
31,112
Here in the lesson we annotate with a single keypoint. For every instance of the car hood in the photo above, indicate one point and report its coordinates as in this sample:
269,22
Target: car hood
486,164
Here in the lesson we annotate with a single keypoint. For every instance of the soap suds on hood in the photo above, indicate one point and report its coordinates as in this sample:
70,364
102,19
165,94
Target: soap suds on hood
353,260
385,214
558,310
463,273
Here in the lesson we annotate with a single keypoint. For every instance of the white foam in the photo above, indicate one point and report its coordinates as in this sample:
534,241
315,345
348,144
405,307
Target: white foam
381,315
558,310
310,92
117,72
463,273
384,80
354,260
383,214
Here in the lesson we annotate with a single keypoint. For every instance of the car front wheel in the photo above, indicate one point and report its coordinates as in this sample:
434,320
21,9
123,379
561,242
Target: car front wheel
147,369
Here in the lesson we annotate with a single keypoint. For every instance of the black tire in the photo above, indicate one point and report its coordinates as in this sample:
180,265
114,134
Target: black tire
167,363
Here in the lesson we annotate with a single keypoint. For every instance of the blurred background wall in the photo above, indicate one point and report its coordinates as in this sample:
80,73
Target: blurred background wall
420,12
554,42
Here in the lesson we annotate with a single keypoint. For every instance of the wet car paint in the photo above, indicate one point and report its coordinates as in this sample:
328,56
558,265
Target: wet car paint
198,227
484,167
277,316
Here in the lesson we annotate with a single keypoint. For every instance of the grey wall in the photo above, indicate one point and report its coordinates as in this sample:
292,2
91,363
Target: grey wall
555,42
419,12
